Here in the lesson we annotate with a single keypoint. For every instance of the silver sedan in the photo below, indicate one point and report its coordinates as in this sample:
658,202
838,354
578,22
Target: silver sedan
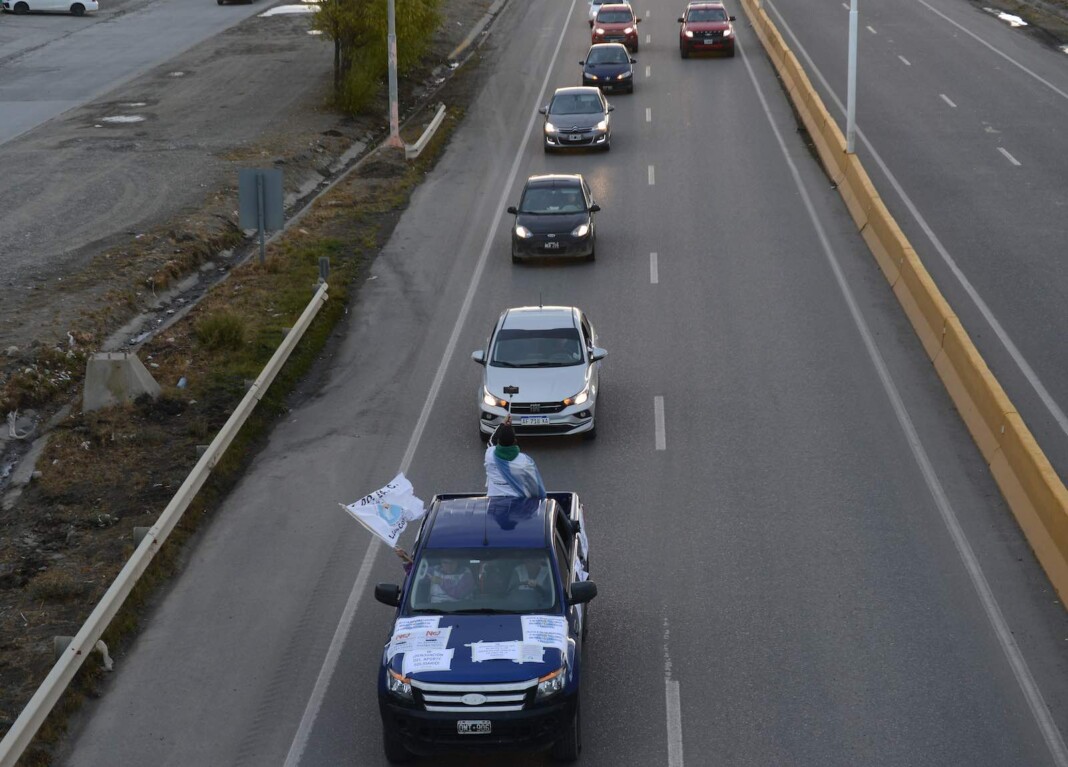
541,365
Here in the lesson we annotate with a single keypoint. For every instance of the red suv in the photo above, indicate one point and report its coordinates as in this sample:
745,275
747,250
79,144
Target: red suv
706,27
616,23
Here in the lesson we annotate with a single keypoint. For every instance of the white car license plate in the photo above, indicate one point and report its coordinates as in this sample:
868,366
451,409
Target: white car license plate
534,420
575,137
552,246
474,727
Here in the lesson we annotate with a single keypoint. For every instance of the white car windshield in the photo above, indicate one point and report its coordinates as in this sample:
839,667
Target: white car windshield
546,348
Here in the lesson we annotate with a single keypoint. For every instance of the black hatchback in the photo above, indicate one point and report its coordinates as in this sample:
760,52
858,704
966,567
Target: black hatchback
554,219
609,67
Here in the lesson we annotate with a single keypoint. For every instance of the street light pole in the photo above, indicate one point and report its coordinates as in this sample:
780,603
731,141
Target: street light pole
394,107
851,97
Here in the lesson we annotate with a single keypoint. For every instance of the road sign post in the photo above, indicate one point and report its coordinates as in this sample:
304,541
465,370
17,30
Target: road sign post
260,202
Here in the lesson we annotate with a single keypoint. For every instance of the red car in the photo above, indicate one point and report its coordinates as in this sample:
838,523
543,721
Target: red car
706,27
616,23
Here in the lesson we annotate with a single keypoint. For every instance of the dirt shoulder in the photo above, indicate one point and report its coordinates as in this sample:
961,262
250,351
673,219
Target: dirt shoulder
101,474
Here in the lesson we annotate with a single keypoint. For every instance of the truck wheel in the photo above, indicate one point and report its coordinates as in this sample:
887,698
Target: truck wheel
396,753
568,748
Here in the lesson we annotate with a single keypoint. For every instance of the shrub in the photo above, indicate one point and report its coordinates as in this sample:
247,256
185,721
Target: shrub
220,330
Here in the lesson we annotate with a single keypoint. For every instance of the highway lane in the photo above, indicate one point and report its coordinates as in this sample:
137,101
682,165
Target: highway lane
54,63
961,115
780,564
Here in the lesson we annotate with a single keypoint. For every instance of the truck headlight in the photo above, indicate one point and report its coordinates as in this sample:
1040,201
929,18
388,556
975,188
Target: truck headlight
688,33
599,31
399,685
491,400
522,232
728,32
628,30
550,684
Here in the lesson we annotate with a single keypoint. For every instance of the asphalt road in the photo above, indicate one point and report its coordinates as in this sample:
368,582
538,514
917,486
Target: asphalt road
816,563
961,119
52,63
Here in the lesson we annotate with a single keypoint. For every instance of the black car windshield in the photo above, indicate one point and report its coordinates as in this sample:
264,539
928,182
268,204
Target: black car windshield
542,200
614,17
556,347
576,104
706,14
612,54
483,580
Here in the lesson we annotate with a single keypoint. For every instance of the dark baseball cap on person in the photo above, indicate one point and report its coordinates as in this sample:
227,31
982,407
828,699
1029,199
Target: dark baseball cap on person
505,435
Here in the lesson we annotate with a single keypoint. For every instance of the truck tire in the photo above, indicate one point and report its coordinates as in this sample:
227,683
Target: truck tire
396,753
568,748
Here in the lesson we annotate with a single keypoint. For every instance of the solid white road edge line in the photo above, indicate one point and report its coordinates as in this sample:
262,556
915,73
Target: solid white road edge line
648,70
326,673
1005,56
904,61
647,39
948,100
1003,336
673,706
1028,686
658,421
652,176
654,270
1008,156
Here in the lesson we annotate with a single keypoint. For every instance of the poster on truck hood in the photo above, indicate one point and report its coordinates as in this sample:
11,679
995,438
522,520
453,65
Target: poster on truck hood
387,511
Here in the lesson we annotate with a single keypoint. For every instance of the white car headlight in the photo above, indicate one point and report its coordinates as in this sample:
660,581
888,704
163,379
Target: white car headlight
688,33
593,77
602,125
550,684
624,75
628,30
399,685
728,32
599,30
581,230
579,398
523,233
550,128
491,400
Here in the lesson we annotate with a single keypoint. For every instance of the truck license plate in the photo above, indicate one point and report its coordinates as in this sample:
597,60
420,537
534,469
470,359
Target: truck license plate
474,727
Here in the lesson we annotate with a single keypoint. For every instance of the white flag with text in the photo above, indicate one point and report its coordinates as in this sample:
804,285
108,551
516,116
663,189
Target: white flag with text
387,511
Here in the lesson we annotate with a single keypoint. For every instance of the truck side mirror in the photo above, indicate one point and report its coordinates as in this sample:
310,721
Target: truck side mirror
390,593
582,592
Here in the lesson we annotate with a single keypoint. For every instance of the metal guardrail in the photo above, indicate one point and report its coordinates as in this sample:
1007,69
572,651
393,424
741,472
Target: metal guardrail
411,151
40,705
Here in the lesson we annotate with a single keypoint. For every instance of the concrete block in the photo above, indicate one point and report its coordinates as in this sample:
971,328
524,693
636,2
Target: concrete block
112,378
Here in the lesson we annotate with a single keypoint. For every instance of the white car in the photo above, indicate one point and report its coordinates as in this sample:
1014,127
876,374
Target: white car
595,5
541,365
76,7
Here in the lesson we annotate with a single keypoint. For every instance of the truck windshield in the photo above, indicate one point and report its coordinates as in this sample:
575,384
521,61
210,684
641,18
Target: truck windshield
457,581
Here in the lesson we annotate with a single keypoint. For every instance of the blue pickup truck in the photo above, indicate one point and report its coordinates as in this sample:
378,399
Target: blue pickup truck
485,649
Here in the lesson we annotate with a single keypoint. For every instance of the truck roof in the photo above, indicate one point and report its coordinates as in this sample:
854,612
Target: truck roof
472,521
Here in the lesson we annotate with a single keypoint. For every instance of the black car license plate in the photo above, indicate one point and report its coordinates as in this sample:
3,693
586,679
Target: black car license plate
474,727
552,246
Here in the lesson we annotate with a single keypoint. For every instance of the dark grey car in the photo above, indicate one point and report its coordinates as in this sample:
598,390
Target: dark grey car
554,218
577,118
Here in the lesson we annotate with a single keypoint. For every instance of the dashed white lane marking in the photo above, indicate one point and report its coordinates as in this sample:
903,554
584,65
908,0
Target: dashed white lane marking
658,418
947,99
846,6
648,12
652,176
648,114
1035,701
872,30
648,70
905,61
1009,157
648,38
674,706
654,270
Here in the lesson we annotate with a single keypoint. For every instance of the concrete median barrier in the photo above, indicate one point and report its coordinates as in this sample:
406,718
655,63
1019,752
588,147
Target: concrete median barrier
1030,486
